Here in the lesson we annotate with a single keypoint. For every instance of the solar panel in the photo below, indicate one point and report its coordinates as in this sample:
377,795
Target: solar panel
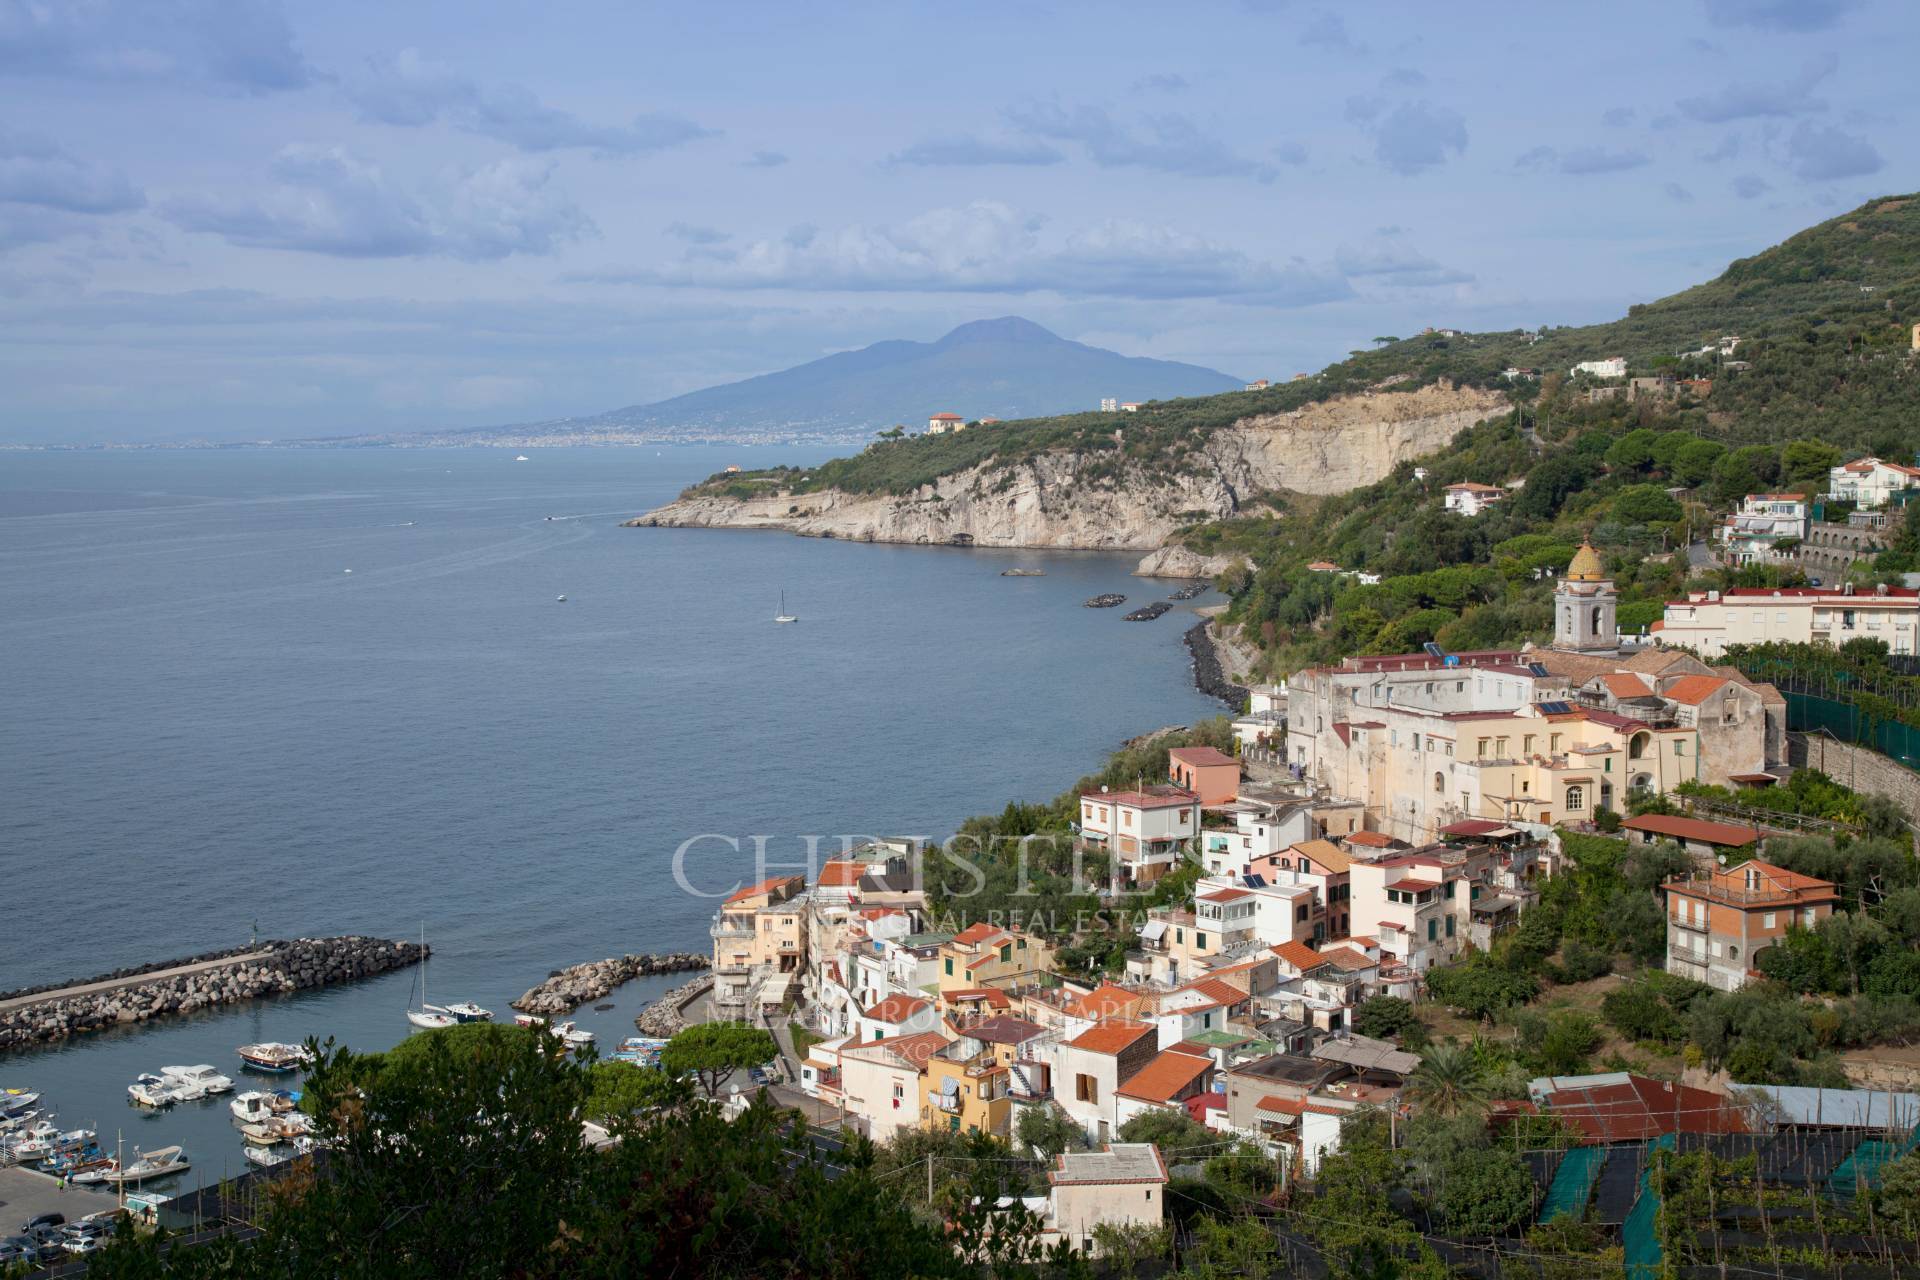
1556,708
1538,668
1434,650
1254,882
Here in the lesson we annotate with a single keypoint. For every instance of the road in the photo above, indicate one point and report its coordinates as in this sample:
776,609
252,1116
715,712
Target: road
1699,556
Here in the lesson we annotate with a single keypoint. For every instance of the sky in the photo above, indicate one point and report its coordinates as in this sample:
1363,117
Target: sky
233,219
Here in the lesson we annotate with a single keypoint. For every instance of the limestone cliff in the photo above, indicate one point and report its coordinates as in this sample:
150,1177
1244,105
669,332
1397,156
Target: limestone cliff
1047,501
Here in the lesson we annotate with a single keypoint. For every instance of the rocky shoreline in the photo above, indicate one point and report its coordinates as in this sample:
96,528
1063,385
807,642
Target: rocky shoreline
289,966
1208,674
663,1019
567,989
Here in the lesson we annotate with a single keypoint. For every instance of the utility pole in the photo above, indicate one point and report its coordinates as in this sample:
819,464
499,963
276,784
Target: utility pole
929,1179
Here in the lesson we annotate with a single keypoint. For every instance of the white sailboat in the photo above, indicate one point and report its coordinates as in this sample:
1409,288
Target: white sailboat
430,1017
783,615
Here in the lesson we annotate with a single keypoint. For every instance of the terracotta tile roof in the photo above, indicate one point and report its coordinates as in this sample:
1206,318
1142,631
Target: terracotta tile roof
1201,1103
973,995
1168,1074
840,875
1653,662
1695,829
1158,798
1643,1108
1108,1000
1110,1037
1002,1030
1281,1106
765,886
1225,895
1326,853
1693,690
898,1008
913,1050
1201,756
1298,954
1470,827
974,934
1371,839
1624,684
1216,990
1346,958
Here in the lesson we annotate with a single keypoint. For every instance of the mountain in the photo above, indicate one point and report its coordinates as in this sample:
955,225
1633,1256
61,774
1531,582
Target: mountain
1005,368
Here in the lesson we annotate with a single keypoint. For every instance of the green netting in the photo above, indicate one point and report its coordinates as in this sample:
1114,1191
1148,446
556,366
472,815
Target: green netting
1640,1240
1811,714
1572,1183
1863,1170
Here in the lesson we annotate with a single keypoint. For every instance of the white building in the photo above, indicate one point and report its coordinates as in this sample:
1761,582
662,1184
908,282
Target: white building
1131,406
1749,534
1870,482
1708,621
1611,367
1257,833
941,423
1143,831
1584,606
1109,404
1470,498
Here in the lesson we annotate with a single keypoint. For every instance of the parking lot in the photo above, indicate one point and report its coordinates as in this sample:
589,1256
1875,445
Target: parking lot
26,1194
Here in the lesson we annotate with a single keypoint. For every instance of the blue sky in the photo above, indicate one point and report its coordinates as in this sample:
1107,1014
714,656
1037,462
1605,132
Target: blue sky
237,220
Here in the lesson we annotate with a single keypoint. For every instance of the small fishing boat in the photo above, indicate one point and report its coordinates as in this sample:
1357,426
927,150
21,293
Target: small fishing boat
561,600
201,1076
19,1120
282,1101
467,1010
15,1101
273,1056
783,615
521,458
574,1037
75,1161
150,1090
259,1134
40,1145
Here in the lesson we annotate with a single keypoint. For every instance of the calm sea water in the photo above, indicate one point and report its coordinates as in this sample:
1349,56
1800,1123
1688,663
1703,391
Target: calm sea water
208,725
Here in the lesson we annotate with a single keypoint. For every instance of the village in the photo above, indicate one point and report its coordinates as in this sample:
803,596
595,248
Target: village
1373,820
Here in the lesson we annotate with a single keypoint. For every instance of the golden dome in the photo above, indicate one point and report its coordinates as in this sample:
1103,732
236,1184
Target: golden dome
1586,566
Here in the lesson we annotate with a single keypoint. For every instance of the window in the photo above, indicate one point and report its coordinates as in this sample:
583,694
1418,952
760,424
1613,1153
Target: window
1553,743
1449,926
1199,941
949,966
1526,744
1606,766
1433,931
1179,936
1439,784
1006,954
1733,952
1483,746
1680,746
1299,913
1768,920
1576,798
880,1033
899,1091
1086,1089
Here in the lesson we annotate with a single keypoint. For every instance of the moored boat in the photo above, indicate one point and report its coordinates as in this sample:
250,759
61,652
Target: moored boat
201,1076
151,1091
271,1055
147,1167
252,1106
467,1010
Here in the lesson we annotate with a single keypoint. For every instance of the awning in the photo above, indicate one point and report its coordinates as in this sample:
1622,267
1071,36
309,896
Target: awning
1155,930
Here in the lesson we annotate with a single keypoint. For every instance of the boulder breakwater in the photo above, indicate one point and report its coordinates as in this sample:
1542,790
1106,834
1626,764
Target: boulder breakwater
567,989
199,982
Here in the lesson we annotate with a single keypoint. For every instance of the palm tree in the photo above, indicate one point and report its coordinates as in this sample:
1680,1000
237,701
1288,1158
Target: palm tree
1449,1081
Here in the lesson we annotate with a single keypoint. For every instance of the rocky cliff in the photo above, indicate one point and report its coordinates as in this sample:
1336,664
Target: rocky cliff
1073,500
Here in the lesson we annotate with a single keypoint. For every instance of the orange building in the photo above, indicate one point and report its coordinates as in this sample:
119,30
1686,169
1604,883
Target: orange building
1718,924
1212,775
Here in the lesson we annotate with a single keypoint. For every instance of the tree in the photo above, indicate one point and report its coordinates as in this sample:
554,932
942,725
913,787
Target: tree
1126,1245
1485,1193
1637,1012
1448,1080
1632,451
1807,460
1695,461
1387,1018
1645,504
619,1089
1479,988
713,1051
1047,1131
1180,1140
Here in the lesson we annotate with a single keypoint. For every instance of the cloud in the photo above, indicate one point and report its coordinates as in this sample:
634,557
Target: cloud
1726,149
1822,153
1417,136
697,235
988,247
1677,193
1329,31
1398,267
1617,117
1751,186
1164,144
1164,83
1790,97
1403,78
1293,153
1582,161
233,45
410,91
765,160
327,200
969,151
1780,15
36,171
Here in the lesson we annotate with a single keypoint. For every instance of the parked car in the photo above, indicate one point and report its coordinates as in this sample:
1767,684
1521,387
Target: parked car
46,1221
15,1250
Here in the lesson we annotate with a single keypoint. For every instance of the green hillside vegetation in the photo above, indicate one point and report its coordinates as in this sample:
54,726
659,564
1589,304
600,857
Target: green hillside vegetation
1824,320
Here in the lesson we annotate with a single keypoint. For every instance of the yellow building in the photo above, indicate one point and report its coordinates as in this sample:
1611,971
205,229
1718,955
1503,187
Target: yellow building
968,1093
985,956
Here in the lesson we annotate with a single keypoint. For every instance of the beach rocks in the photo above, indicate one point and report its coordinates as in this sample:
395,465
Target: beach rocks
568,989
666,1017
1208,675
269,969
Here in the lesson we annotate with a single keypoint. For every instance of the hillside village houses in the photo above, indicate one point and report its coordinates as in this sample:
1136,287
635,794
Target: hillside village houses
941,423
1749,535
1611,367
1708,621
1470,498
1870,483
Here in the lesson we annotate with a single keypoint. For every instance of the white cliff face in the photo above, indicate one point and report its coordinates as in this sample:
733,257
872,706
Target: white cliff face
1061,500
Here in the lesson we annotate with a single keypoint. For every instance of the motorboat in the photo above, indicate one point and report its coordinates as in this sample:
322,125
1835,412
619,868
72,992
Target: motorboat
252,1107
162,1163
40,1143
521,458
260,1134
560,600
267,1157
271,1055
151,1091
201,1076
19,1120
74,1161
467,1010
14,1101
573,1037
284,1100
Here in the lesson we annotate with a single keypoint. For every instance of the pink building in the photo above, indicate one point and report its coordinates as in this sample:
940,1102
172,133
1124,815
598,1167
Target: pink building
1212,775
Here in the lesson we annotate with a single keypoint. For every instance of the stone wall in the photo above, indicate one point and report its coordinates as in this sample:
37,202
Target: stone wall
567,989
1857,768
286,967
667,1016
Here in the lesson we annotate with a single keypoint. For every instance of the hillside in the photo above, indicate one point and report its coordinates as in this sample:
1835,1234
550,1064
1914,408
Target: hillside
1823,321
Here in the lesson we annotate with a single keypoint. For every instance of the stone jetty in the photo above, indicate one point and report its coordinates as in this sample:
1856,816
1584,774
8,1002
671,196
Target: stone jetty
666,1017
202,982
567,989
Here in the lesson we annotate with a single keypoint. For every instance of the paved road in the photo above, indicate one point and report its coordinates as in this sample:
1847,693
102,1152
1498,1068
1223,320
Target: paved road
117,984
1699,555
26,1193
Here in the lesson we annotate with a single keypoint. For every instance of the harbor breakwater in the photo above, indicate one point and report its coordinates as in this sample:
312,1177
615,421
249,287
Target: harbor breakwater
666,1017
567,989
182,986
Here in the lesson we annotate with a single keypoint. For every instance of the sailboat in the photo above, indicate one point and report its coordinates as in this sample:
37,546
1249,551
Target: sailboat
783,615
430,1017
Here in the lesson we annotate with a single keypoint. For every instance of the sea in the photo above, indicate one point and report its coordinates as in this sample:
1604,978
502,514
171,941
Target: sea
274,693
